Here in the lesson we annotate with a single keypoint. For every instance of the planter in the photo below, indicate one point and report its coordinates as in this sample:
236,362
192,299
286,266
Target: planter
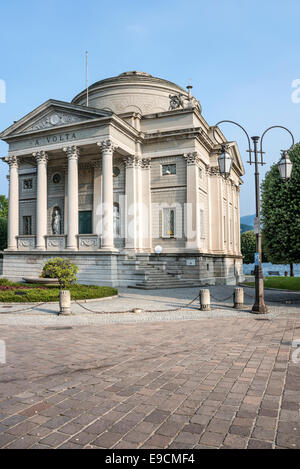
65,302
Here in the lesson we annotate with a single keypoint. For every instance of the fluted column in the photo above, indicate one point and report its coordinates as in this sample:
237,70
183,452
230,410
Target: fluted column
72,153
192,202
41,199
131,187
13,203
107,238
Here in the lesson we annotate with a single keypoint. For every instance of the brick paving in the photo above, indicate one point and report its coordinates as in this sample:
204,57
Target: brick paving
209,383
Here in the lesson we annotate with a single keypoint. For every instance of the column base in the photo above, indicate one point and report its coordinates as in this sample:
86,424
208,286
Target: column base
108,249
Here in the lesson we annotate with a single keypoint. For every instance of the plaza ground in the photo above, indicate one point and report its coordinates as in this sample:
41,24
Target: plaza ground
163,379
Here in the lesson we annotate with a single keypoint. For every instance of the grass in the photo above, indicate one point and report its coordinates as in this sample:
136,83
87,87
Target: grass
280,283
10,292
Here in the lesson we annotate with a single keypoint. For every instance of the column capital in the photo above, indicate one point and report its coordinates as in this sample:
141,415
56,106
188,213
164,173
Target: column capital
132,161
191,158
146,163
72,152
41,157
12,161
107,146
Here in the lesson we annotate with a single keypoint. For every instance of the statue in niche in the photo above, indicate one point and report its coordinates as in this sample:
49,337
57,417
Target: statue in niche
116,220
56,221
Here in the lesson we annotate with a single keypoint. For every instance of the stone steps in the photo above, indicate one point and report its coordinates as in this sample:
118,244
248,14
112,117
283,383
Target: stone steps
153,276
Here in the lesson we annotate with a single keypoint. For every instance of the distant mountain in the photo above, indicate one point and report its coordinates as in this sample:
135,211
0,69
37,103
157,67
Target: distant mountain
246,227
248,220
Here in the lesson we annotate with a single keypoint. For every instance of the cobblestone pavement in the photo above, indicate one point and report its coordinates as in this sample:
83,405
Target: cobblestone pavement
227,382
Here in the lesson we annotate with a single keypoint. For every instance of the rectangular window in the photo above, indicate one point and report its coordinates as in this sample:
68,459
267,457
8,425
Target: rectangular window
27,225
224,228
27,184
169,222
168,169
200,173
85,222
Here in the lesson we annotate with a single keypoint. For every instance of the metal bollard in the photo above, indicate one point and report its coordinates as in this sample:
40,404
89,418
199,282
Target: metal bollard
204,300
65,302
238,298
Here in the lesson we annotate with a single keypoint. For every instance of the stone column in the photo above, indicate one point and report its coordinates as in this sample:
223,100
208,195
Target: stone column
72,153
146,215
41,199
97,196
192,202
13,203
131,201
107,237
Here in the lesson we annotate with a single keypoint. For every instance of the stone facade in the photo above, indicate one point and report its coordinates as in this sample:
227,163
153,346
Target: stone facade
105,184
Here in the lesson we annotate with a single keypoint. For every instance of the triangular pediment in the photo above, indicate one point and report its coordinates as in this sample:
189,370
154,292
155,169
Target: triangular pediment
52,114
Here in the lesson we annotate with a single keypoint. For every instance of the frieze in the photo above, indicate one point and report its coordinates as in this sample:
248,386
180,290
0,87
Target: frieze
60,138
56,242
91,242
26,243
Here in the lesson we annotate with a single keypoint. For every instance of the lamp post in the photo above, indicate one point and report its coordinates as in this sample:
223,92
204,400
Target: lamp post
285,169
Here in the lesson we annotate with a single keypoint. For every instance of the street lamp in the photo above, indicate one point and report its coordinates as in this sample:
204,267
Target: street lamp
285,169
285,166
225,162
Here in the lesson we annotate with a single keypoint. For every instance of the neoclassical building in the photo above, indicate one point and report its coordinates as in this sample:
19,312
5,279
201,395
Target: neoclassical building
106,179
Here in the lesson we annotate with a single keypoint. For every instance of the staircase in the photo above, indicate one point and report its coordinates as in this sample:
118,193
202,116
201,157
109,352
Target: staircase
152,275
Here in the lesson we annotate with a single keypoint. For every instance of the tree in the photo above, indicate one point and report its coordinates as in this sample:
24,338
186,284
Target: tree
281,214
3,233
62,269
3,206
248,246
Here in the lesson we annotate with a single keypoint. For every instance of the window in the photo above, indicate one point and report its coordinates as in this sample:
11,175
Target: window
27,225
56,178
168,169
27,184
224,228
85,222
168,222
202,226
200,172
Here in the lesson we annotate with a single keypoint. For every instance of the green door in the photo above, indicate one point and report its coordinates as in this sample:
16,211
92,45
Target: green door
85,222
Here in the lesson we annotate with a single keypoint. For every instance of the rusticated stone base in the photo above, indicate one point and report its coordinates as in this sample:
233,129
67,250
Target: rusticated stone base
119,269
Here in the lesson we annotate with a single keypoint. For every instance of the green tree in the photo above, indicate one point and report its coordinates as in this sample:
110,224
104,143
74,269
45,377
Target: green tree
3,233
281,214
3,206
248,246
63,270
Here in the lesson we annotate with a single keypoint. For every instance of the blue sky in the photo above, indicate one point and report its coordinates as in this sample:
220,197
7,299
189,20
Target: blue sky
241,57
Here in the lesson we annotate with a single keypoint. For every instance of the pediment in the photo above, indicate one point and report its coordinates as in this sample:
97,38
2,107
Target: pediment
52,114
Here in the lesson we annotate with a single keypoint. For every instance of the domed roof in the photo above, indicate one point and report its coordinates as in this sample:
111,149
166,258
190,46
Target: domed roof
131,91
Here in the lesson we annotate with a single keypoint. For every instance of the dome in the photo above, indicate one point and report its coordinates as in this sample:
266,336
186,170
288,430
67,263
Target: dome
131,91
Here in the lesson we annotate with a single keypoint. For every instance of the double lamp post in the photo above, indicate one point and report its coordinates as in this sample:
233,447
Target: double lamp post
285,169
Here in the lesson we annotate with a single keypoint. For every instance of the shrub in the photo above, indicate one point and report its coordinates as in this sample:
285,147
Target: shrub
62,269
36,293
